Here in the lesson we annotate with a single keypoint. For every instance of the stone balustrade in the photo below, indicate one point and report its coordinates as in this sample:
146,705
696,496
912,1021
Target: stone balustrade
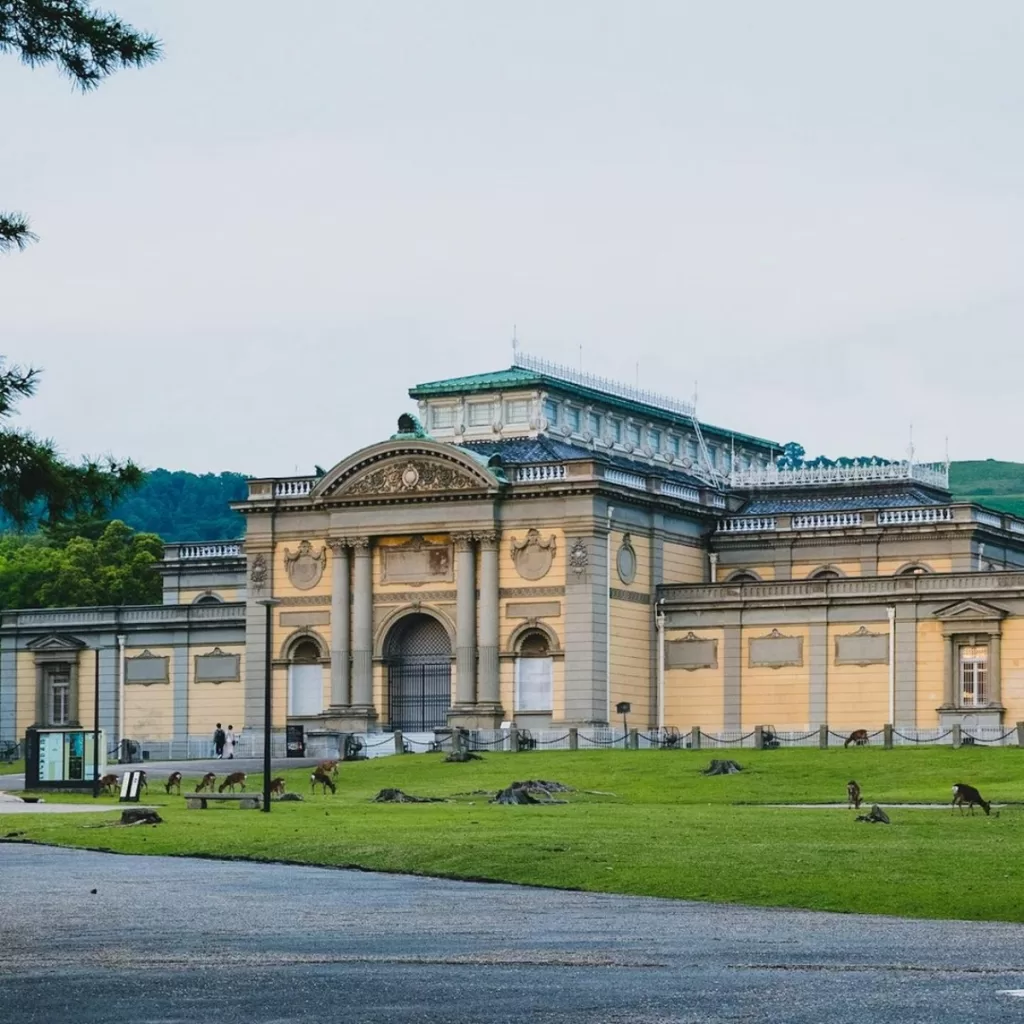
215,549
531,474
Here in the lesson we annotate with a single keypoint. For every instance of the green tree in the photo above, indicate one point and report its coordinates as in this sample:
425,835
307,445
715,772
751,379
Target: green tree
118,567
86,45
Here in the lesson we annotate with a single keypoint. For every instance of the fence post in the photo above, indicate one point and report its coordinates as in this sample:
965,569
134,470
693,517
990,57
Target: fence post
887,738
513,736
957,738
574,738
1020,734
759,737
399,742
695,738
634,739
823,737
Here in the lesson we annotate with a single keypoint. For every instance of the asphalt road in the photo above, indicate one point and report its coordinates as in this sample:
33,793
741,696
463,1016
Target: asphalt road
166,940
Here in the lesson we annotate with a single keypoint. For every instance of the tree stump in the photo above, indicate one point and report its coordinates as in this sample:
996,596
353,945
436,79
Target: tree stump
876,815
718,767
396,796
289,797
462,755
140,816
523,792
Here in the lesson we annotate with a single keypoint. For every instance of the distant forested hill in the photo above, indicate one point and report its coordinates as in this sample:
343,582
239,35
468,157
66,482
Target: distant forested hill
1000,485
185,506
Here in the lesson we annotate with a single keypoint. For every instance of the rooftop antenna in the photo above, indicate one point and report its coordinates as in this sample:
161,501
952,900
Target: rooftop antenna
515,344
947,453
638,374
910,446
581,358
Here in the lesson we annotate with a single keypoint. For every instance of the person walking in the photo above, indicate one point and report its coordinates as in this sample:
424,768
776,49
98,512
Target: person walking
219,740
230,740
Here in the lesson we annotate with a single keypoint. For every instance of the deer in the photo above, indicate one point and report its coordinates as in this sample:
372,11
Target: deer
232,780
859,738
173,782
853,795
322,778
964,794
277,786
109,784
206,782
329,768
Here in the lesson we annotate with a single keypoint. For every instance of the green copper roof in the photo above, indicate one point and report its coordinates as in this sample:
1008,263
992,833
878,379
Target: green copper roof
518,377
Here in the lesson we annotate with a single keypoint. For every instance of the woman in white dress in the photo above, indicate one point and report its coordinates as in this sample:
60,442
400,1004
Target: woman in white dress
230,741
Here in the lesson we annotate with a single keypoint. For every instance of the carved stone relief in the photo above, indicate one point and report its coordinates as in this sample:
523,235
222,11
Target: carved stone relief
625,561
217,667
412,475
304,568
579,558
691,653
258,574
416,561
776,650
532,556
862,648
147,668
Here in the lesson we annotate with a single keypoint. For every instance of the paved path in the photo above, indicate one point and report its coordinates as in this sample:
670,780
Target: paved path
175,940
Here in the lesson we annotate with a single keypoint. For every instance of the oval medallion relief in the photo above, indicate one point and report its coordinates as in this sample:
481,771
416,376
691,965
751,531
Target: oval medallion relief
625,561
533,556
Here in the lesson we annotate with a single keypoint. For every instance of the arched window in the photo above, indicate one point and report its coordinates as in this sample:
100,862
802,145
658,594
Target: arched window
914,569
743,577
534,673
208,599
305,679
824,574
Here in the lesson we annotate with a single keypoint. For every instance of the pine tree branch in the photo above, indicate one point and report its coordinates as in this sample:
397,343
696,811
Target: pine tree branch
14,232
15,383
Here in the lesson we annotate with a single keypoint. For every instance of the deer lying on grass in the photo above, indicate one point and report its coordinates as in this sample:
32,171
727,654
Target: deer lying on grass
859,738
173,782
964,794
277,786
322,778
853,795
206,782
109,784
328,768
232,780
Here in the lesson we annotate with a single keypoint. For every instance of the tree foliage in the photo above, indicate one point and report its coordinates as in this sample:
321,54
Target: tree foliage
87,45
116,567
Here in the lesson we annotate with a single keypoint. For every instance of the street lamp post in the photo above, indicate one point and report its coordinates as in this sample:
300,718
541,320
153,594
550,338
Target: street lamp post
268,603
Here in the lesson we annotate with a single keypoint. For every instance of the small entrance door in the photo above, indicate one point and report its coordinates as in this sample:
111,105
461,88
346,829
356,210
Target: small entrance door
419,660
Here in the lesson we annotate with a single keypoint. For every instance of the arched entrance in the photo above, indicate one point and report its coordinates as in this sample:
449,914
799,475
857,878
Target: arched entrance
418,654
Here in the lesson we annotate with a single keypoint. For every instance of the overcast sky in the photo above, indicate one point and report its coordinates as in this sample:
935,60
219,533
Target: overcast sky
250,251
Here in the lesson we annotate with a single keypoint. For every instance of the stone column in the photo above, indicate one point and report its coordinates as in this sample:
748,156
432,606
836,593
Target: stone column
994,684
465,620
340,635
948,672
488,684
362,626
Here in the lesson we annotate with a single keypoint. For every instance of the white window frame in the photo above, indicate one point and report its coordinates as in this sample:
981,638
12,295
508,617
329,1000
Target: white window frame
634,434
972,674
614,430
442,417
574,418
551,410
594,423
654,438
517,411
58,691
479,414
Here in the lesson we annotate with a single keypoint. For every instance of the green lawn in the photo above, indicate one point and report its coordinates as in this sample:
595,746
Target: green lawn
665,831
12,767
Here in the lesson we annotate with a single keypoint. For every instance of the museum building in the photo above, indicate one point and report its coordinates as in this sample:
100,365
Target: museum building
539,545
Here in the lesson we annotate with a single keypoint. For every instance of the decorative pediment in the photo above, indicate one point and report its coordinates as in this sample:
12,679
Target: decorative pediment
56,642
970,610
395,470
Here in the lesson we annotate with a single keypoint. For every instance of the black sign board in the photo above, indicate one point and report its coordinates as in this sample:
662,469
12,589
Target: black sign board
131,782
295,740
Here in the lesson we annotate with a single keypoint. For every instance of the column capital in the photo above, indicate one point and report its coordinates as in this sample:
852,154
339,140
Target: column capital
361,545
463,541
488,540
338,545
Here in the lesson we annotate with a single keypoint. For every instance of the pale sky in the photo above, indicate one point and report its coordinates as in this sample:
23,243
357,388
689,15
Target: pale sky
250,251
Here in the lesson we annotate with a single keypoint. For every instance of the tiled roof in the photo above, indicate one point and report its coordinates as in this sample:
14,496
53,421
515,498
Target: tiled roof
781,504
515,376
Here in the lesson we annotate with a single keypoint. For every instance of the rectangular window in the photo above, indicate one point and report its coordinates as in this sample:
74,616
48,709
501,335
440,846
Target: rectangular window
534,678
654,439
572,419
305,690
633,434
481,414
551,412
973,672
615,431
58,702
691,449
442,416
675,446
517,410
594,423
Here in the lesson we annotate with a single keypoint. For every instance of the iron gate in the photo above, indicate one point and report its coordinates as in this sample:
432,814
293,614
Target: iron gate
421,694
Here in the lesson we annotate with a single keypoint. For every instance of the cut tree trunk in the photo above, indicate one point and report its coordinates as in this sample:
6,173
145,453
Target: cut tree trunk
718,767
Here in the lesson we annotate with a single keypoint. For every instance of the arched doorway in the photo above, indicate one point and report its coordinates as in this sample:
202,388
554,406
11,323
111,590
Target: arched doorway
418,653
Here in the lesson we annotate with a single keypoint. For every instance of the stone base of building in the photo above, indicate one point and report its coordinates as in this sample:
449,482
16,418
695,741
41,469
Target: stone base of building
476,716
351,719
990,717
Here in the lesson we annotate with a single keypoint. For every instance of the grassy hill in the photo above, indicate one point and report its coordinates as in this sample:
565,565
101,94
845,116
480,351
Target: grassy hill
1000,485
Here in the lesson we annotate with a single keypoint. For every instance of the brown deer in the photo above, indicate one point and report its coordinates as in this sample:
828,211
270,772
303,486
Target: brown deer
232,780
853,795
173,782
206,782
964,794
859,738
328,768
322,778
109,784
277,786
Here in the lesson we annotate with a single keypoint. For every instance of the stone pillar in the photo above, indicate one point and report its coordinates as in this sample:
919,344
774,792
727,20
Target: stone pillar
488,682
948,671
362,627
465,621
995,689
340,625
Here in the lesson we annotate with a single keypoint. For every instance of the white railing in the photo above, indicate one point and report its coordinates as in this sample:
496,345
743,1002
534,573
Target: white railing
903,516
827,520
595,383
294,488
747,524
623,479
717,501
988,518
934,474
532,473
681,491
209,550
1016,526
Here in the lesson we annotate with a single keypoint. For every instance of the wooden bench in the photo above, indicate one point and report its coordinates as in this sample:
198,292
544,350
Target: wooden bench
247,801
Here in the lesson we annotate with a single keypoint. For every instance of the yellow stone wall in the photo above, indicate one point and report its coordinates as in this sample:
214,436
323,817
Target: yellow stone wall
224,593
938,563
149,709
25,709
857,696
801,570
930,659
210,703
1012,657
631,629
86,687
775,696
764,572
696,697
682,563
